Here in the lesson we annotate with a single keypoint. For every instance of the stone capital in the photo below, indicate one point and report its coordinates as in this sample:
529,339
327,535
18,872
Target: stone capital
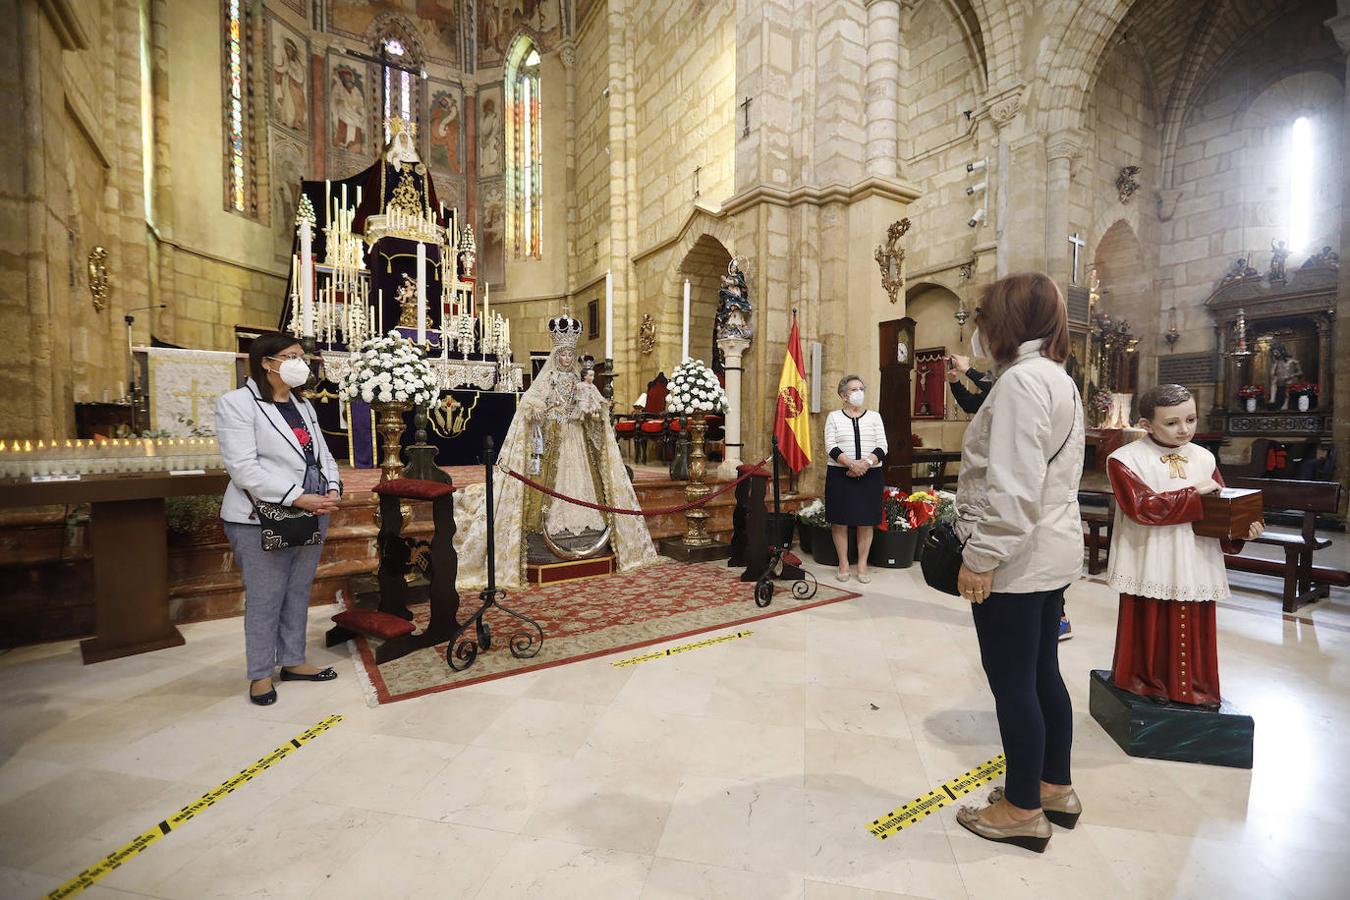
733,347
568,54
1004,106
1067,143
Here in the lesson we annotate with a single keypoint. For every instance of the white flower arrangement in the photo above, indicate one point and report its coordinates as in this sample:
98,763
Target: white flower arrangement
390,369
694,389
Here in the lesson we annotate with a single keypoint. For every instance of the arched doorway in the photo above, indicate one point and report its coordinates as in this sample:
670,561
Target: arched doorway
703,266
936,333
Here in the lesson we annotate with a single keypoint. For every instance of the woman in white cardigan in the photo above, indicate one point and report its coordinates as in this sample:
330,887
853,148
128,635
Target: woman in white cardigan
274,451
856,441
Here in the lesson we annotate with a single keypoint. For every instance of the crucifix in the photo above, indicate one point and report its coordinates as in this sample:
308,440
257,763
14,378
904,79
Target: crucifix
1078,244
697,169
745,105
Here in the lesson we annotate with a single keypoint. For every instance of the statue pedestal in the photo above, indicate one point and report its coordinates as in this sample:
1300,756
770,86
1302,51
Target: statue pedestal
1221,737
733,348
677,549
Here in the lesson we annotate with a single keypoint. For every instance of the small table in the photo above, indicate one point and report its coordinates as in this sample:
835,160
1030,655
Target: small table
936,459
131,556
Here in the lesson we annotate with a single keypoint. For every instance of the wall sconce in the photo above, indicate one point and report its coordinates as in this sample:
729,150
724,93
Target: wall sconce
1172,335
891,259
1240,334
977,218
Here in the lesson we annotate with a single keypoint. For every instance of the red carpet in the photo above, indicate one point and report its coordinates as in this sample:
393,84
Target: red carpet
590,618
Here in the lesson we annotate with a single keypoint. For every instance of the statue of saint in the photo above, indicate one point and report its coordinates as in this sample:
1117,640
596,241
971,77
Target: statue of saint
560,437
407,304
1279,253
1284,371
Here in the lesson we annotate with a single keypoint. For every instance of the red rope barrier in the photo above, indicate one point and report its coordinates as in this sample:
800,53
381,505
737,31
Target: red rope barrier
669,510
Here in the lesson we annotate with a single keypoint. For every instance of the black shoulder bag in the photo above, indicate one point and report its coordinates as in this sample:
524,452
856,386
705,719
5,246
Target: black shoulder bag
942,549
285,527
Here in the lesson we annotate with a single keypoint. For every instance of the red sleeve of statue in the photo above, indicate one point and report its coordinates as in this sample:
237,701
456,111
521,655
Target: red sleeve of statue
1148,507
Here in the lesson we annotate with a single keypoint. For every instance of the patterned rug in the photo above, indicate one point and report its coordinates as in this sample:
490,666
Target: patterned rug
589,618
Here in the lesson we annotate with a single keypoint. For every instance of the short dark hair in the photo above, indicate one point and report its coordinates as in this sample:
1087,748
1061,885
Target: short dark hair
263,346
1162,395
1022,308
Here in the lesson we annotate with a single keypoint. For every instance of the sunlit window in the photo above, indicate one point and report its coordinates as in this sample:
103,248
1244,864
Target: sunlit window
524,151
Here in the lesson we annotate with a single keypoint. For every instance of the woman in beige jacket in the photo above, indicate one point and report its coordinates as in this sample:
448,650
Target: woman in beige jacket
1017,511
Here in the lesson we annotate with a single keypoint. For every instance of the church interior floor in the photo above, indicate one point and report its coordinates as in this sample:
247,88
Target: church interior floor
749,768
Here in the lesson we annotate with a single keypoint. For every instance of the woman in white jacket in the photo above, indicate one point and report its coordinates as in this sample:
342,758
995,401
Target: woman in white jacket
274,451
1017,511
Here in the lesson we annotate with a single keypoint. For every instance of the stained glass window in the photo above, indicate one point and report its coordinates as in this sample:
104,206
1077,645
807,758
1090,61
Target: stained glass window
524,151
241,179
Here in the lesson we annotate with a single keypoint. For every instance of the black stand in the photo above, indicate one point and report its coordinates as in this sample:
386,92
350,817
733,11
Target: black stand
804,584
462,652
1221,737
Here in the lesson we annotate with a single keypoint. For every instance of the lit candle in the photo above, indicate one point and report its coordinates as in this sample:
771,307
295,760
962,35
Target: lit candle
306,278
609,315
684,334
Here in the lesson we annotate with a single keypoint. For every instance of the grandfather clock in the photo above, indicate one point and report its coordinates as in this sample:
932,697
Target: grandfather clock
896,342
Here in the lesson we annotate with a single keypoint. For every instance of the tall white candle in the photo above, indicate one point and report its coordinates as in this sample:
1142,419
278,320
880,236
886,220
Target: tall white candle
421,293
379,310
609,315
306,278
684,334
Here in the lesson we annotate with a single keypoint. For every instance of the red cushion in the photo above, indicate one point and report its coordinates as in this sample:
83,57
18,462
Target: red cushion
761,472
374,622
791,558
414,489
625,427
653,427
676,425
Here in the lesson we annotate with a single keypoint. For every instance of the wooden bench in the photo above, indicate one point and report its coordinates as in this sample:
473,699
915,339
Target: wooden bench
1303,582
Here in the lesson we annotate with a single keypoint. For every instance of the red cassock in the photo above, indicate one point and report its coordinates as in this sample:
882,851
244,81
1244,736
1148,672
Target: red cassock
1164,648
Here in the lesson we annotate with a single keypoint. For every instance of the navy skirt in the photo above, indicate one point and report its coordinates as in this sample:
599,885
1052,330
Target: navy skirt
852,501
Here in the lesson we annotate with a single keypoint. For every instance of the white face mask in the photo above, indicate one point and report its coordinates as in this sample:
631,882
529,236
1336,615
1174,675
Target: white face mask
856,397
294,372
976,348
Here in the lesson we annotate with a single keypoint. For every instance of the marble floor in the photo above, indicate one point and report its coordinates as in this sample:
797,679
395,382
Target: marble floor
747,769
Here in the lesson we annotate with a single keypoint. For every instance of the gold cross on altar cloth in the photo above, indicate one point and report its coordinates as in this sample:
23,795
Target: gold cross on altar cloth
194,394
1176,465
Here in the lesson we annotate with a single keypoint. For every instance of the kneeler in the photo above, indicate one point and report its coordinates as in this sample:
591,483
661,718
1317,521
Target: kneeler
391,619
750,531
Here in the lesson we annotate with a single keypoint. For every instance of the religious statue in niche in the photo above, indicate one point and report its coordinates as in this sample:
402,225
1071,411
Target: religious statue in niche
1279,253
1284,371
733,305
349,109
561,436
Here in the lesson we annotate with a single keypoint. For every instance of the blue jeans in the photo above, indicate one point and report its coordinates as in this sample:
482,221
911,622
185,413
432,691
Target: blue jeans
1019,647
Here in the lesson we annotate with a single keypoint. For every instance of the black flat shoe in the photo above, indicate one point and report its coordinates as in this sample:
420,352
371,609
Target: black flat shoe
326,675
266,699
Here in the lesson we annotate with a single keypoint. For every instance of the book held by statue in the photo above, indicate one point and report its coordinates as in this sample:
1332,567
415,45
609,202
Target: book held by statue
1229,514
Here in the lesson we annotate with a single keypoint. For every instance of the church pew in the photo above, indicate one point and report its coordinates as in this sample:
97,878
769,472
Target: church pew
1308,498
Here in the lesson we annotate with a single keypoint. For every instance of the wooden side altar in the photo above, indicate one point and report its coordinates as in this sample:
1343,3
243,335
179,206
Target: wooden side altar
127,532
1275,332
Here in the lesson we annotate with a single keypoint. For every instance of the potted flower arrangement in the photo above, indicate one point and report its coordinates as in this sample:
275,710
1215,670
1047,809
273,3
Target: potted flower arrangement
693,390
390,373
1099,407
1304,395
923,507
1250,394
894,540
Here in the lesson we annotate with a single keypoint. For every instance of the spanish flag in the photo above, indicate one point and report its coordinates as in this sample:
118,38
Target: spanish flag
792,423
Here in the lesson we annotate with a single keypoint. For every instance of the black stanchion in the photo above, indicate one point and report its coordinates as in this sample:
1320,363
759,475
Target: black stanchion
462,651
803,582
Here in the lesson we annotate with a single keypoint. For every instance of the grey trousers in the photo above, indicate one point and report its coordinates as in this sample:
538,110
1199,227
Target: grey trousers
277,585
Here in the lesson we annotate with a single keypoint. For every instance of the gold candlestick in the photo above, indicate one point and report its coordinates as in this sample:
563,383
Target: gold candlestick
696,532
389,424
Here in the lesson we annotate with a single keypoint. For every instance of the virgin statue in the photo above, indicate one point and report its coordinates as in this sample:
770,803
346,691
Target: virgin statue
561,438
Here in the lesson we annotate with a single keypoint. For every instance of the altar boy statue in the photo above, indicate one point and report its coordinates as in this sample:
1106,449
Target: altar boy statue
1168,576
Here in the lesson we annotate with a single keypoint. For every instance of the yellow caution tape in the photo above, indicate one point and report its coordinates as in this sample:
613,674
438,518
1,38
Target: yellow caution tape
131,849
944,794
671,651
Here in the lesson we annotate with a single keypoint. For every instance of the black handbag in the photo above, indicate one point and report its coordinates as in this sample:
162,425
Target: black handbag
285,527
942,549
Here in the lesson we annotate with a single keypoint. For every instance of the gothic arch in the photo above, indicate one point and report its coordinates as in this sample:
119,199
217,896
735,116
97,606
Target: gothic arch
705,246
1075,41
394,25
1001,30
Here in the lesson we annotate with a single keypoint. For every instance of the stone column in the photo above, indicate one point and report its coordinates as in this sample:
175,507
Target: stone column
1060,151
732,350
883,87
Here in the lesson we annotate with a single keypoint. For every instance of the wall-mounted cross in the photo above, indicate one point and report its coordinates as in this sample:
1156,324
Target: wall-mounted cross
1078,244
697,169
745,105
